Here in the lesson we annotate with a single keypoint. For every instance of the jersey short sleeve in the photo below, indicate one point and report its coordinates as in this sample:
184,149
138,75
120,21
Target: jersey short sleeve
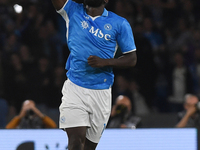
67,10
125,38
99,36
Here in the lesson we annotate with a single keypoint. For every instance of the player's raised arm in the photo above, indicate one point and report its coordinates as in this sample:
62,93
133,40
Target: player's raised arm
58,4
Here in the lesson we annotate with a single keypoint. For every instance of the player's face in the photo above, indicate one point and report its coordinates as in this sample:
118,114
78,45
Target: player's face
94,3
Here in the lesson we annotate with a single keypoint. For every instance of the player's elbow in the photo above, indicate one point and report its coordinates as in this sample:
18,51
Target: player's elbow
134,62
132,59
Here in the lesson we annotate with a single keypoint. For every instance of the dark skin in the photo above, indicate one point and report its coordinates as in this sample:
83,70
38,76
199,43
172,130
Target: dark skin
127,60
76,135
77,140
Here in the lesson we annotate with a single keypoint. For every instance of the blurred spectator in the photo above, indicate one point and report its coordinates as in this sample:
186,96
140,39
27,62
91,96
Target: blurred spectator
40,80
11,46
121,114
154,37
196,38
3,113
180,83
1,75
183,35
59,78
142,10
30,117
161,95
188,11
55,52
195,71
160,103
125,8
157,13
30,28
145,72
15,82
121,87
140,107
190,116
161,27
27,59
170,13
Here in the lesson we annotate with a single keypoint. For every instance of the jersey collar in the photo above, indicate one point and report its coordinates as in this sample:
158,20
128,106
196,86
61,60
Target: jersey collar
105,13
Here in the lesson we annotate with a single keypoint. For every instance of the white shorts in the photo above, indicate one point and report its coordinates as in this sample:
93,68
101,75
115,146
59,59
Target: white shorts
85,107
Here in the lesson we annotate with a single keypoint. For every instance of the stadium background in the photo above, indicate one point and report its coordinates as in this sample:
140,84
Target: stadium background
33,53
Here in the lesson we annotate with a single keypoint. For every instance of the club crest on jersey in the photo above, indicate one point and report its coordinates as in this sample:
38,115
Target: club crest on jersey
84,24
108,27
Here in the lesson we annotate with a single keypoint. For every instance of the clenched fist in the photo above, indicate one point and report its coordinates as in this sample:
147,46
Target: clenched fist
95,61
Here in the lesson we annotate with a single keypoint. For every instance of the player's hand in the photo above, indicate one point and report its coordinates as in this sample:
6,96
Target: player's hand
95,61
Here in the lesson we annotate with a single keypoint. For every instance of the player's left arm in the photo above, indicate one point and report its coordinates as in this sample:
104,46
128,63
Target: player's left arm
126,60
126,42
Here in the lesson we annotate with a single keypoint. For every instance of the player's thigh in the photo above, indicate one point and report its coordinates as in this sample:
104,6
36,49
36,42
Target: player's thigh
73,111
76,134
73,117
100,107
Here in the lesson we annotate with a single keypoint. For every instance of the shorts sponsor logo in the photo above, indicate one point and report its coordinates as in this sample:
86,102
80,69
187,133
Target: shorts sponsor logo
62,119
104,126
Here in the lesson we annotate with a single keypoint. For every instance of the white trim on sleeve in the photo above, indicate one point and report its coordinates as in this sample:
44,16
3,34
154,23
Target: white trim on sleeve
129,51
63,13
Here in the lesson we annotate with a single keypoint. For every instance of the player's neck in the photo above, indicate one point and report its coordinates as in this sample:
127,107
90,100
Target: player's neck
95,11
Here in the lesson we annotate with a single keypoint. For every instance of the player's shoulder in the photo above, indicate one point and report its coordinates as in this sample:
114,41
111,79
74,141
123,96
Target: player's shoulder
78,5
116,17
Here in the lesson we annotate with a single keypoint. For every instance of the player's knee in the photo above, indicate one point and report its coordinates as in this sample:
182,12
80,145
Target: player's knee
76,143
89,145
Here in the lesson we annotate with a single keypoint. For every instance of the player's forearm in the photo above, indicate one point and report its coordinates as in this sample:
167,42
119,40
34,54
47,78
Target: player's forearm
127,60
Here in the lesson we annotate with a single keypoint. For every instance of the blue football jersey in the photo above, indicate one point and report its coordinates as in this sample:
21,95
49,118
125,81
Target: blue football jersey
99,36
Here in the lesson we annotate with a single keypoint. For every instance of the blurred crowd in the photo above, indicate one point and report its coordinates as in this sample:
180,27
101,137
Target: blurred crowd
33,53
